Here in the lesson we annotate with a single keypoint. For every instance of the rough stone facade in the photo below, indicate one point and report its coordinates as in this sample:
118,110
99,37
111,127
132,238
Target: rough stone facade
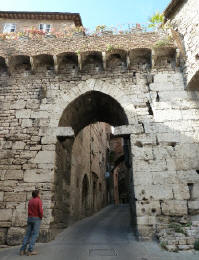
58,22
89,165
184,18
22,25
56,87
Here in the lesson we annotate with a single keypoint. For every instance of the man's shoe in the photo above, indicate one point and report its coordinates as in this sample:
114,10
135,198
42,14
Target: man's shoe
31,253
22,252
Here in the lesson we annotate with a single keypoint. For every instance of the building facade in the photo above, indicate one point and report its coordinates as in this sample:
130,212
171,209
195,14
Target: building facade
53,88
184,19
46,22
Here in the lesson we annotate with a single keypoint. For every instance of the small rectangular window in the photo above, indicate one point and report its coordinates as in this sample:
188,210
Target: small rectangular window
41,27
9,27
45,27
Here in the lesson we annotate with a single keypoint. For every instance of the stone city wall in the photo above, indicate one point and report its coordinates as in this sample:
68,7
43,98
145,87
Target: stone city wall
162,126
42,45
185,20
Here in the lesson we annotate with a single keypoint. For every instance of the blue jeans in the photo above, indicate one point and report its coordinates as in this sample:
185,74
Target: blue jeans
32,233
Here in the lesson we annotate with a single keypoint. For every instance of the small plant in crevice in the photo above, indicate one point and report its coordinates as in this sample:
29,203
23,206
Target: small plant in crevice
162,42
177,227
188,224
164,244
109,48
100,28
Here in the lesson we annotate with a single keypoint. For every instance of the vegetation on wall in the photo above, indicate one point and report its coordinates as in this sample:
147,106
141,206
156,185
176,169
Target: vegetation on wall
156,21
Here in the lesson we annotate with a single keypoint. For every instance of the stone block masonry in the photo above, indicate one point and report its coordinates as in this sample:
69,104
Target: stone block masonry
145,102
185,20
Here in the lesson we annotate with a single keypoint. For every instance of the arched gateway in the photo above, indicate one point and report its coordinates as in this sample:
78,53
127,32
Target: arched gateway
48,98
88,108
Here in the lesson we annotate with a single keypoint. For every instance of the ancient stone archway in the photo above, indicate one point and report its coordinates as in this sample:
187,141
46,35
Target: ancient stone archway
109,88
88,108
91,107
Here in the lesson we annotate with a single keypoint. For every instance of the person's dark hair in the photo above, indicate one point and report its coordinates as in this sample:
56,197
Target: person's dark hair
35,193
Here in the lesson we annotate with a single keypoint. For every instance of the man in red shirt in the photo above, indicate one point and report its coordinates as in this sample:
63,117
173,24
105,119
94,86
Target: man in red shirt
35,214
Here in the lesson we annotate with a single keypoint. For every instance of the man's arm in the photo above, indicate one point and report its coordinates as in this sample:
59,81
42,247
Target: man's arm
40,209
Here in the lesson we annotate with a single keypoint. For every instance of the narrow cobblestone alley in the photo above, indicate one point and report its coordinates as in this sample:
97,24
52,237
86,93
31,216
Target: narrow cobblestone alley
106,235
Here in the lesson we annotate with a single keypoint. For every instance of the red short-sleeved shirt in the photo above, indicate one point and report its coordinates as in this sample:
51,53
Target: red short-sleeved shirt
35,208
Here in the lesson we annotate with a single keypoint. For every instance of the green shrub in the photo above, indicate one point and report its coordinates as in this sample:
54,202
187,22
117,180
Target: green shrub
177,228
188,224
163,42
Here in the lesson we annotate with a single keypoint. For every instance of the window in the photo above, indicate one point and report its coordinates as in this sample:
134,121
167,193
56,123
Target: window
45,27
9,27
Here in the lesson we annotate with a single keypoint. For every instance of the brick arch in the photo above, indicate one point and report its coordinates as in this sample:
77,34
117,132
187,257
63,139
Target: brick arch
113,91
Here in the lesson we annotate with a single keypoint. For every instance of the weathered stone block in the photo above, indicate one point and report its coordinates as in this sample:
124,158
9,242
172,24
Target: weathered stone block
19,104
24,113
49,139
152,208
193,207
14,175
1,195
143,139
142,178
26,123
19,218
14,196
165,177
195,191
168,115
47,216
32,104
5,214
181,191
39,114
36,176
24,187
147,220
15,236
128,129
174,208
64,131
149,166
28,154
45,157
3,232
153,192
168,138
189,176
143,153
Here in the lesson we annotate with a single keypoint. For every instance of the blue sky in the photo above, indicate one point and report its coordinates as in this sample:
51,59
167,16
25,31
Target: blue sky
93,12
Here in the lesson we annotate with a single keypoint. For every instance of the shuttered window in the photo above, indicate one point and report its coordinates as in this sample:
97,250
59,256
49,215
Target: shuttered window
45,27
9,27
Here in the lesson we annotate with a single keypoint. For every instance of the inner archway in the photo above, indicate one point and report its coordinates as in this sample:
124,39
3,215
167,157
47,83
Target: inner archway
92,107
92,116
